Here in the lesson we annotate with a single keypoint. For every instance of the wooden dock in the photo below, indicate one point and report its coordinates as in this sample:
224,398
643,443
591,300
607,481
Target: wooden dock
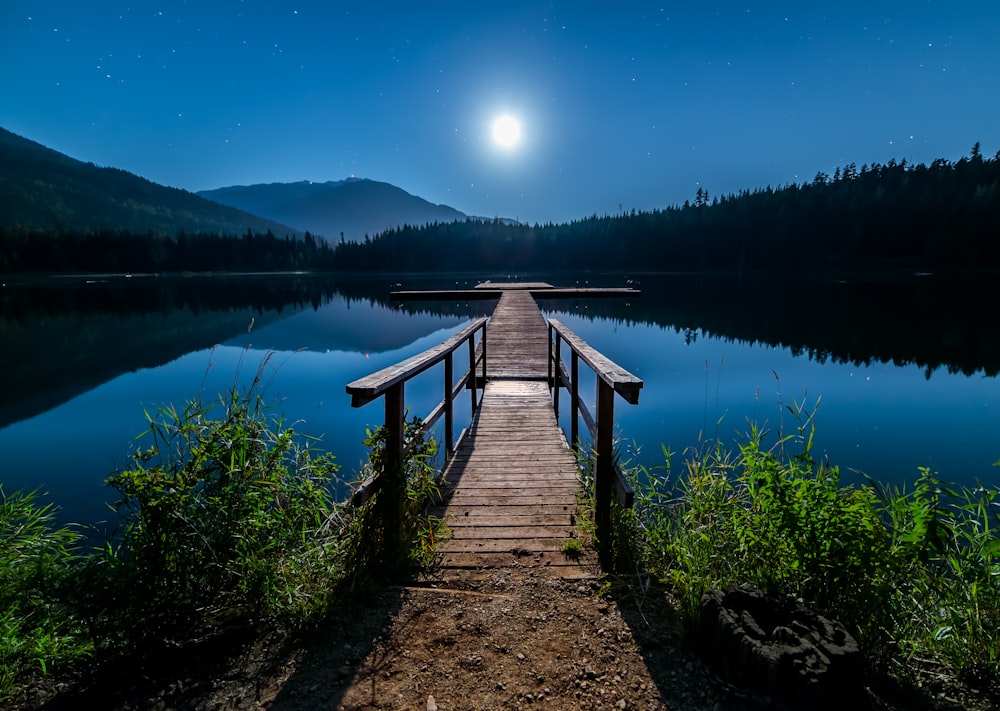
512,483
511,492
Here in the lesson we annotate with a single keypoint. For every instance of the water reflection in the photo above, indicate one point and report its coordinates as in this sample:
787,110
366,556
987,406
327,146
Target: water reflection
904,368
83,361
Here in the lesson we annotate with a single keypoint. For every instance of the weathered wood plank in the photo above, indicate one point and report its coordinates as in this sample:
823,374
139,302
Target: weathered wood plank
504,545
493,291
512,486
486,519
623,382
457,510
514,285
519,531
560,564
517,340
366,389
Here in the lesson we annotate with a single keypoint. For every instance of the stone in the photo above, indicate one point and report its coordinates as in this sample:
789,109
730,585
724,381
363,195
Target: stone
775,646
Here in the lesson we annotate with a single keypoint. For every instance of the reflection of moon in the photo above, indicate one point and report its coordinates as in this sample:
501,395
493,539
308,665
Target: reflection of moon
506,131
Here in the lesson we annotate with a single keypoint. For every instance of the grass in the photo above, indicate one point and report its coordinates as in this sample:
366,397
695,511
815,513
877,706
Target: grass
572,548
914,572
38,632
227,521
420,532
227,515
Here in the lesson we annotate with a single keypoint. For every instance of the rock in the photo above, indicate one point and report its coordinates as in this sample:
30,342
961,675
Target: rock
431,704
777,647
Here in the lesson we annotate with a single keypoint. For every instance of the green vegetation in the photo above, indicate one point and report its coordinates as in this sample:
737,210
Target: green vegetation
225,516
411,523
38,631
68,251
915,574
228,521
572,548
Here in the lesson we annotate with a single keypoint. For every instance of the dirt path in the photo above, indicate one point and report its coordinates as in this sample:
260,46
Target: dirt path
510,638
514,638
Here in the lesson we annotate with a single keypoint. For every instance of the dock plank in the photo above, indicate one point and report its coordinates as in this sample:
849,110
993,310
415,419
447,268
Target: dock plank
512,487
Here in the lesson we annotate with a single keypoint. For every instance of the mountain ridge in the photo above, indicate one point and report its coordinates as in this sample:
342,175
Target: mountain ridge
41,188
351,208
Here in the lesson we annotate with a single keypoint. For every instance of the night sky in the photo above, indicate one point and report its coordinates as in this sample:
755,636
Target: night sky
620,105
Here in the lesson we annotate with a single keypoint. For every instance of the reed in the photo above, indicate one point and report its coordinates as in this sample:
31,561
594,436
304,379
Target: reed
913,572
39,632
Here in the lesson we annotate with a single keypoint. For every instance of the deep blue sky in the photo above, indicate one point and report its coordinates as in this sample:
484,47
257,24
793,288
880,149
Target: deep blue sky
625,103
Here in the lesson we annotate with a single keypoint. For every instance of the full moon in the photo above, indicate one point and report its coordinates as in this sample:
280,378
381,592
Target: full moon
506,131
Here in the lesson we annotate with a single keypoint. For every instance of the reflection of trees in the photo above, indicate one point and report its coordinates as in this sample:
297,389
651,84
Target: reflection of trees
930,321
28,302
58,340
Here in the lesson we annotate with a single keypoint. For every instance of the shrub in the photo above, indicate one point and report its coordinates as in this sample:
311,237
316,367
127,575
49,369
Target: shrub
915,575
417,531
226,517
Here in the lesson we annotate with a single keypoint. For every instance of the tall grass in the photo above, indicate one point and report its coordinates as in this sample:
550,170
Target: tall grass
38,631
227,521
416,528
913,572
227,514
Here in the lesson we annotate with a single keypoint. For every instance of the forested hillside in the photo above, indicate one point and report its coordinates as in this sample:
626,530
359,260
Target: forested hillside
945,215
942,216
46,191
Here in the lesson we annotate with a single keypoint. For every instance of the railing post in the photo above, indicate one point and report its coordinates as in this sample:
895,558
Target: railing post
449,410
473,384
604,471
557,377
393,494
548,363
574,399
483,341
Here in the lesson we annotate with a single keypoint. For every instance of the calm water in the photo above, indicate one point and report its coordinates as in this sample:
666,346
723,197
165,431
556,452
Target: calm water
903,383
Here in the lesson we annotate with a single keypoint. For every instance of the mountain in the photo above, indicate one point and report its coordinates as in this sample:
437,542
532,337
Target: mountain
42,188
353,207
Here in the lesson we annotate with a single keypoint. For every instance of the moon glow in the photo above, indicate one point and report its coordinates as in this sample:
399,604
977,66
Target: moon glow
506,131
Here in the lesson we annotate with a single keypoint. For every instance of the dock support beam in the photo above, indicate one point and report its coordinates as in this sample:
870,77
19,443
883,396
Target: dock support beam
605,472
393,494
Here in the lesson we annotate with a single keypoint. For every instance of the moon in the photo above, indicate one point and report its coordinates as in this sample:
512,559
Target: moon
506,131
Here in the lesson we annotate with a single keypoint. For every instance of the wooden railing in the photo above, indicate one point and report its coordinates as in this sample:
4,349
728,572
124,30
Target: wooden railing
611,379
390,383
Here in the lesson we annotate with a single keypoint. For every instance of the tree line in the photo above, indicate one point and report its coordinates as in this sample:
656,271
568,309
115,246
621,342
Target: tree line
942,216
945,215
116,251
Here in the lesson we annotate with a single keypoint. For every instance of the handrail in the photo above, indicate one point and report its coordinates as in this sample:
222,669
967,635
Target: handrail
390,382
611,379
364,390
622,381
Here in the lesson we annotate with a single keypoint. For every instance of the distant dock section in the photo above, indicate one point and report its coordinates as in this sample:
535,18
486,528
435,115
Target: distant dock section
493,290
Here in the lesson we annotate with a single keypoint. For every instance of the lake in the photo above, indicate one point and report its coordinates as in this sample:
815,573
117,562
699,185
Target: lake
904,370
